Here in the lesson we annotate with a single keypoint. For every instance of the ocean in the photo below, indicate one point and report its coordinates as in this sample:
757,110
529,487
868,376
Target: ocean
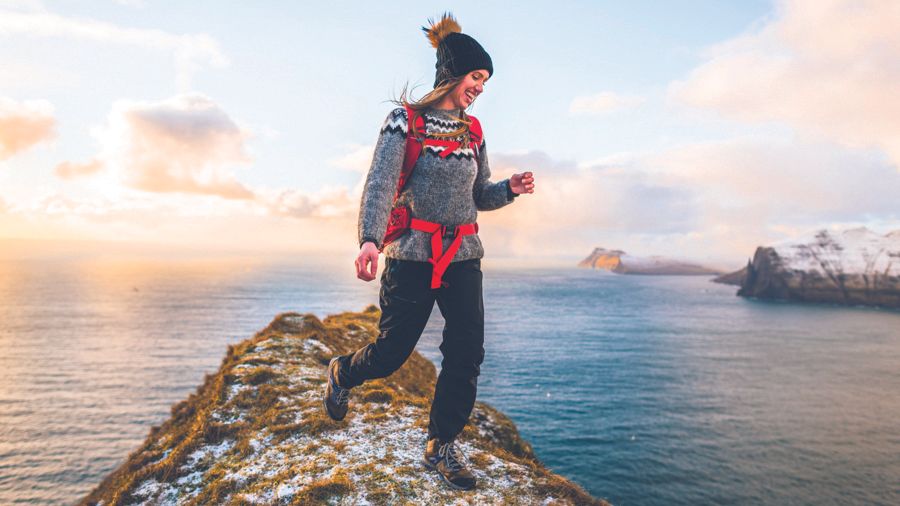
644,390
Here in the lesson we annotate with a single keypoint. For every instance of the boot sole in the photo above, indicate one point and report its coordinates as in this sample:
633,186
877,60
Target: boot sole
452,485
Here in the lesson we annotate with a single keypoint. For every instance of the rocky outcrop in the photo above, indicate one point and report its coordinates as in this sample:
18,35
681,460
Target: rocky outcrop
853,267
256,432
619,262
734,278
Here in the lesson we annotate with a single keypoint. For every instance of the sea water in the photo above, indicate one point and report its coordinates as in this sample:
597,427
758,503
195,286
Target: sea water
644,390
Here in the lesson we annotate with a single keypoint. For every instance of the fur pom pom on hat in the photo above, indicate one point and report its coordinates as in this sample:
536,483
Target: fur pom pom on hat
457,53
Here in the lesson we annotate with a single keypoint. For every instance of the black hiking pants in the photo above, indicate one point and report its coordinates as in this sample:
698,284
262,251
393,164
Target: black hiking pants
406,299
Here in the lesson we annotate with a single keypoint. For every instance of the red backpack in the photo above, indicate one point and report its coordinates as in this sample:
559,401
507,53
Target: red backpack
401,216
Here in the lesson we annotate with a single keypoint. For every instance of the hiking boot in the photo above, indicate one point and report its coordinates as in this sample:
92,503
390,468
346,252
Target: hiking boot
336,397
448,461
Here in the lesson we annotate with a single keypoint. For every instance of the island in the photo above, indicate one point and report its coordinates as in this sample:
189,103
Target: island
851,267
255,432
619,262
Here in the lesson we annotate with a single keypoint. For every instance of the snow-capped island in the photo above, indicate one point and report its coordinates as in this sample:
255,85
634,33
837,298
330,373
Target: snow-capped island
852,267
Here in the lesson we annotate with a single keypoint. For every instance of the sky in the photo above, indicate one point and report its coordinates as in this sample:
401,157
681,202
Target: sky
692,129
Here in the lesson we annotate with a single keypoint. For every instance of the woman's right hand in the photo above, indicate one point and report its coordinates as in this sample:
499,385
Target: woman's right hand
368,254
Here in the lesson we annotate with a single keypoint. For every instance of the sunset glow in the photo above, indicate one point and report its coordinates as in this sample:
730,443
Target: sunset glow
166,124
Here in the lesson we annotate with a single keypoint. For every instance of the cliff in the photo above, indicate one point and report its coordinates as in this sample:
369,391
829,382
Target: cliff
853,267
255,432
619,262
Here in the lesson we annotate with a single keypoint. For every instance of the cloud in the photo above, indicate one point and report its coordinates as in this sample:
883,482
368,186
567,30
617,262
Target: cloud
179,153
752,192
358,158
185,144
135,207
785,181
190,52
712,201
71,170
198,222
602,103
329,202
24,124
826,67
333,202
575,208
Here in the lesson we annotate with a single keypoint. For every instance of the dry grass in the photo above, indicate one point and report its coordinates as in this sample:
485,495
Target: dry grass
324,489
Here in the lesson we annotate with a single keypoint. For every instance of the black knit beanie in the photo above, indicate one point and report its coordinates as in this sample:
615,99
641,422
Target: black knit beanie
457,53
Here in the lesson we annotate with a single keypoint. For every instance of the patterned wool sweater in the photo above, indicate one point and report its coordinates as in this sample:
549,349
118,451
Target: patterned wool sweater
447,190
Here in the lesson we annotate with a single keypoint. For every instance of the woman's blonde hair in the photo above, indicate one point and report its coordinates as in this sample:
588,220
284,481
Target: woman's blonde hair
431,98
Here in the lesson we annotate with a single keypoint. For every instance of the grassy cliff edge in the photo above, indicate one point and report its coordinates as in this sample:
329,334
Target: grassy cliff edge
255,433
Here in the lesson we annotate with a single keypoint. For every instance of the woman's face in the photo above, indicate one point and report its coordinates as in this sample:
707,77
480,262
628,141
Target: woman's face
469,88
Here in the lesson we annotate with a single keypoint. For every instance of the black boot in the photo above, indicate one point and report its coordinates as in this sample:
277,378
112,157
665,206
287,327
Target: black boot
336,397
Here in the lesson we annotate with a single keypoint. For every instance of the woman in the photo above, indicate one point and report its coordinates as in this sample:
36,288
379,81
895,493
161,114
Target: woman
438,256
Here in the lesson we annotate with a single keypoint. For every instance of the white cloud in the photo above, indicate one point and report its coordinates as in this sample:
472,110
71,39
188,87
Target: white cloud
184,144
358,158
71,170
191,52
577,208
785,181
180,152
826,67
24,124
329,202
712,201
195,221
603,102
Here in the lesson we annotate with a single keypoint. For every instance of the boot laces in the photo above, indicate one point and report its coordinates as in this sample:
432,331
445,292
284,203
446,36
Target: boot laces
452,456
343,395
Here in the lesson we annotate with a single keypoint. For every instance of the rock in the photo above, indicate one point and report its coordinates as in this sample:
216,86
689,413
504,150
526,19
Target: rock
853,267
256,432
733,278
619,262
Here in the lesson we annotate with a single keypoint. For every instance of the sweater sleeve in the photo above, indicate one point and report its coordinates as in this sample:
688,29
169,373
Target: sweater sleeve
489,196
381,181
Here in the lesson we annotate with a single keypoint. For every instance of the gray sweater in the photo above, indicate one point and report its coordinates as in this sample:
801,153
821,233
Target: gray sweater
449,190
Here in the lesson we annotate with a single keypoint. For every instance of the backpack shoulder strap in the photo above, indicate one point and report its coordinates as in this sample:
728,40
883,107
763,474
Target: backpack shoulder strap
475,134
415,124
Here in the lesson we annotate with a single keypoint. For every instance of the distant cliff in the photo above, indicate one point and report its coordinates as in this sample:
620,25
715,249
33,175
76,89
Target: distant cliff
853,267
256,432
622,263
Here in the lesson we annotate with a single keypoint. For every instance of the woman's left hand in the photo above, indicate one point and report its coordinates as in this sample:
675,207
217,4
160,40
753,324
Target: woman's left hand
522,183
